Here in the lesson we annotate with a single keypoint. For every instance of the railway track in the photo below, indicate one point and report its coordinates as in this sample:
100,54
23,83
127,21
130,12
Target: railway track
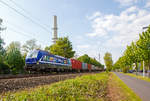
10,76
23,82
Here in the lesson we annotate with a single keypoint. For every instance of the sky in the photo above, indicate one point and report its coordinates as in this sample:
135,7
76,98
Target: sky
93,26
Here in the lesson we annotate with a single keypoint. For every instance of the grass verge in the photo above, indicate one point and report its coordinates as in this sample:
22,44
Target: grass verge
119,91
138,76
96,87
85,88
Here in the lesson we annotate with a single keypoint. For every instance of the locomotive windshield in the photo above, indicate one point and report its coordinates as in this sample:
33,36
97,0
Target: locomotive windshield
32,54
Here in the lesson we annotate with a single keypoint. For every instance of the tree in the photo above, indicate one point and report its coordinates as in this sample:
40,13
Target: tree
30,45
2,50
136,53
131,56
108,61
14,45
144,44
86,59
14,58
62,47
4,68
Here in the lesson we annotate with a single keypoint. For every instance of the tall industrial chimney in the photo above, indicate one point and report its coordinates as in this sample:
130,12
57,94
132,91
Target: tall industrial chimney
55,30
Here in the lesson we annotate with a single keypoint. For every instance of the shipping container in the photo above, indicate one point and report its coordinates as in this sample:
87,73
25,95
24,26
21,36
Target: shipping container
76,64
84,66
96,68
89,67
93,67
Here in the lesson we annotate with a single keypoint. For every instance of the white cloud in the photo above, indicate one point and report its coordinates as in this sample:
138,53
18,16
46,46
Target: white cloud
147,4
126,2
96,14
83,46
122,28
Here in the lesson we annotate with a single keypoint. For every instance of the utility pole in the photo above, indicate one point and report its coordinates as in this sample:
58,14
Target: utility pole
99,57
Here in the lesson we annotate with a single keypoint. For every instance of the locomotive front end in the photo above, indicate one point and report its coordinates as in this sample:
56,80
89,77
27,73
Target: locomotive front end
31,60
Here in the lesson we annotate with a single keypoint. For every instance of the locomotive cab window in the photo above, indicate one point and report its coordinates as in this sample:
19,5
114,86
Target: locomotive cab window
45,58
32,54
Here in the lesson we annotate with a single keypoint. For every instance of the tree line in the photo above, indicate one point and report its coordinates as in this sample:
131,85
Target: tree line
86,59
135,54
12,58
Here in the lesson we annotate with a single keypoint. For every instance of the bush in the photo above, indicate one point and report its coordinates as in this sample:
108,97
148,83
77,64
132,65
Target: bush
4,68
15,61
125,70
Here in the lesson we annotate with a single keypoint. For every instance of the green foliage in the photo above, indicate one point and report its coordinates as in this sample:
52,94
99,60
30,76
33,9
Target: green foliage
108,61
125,70
14,45
4,68
10,60
14,59
144,46
1,46
86,59
135,53
63,47
85,88
2,50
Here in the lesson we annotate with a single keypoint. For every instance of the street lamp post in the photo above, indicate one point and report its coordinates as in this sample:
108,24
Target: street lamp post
143,69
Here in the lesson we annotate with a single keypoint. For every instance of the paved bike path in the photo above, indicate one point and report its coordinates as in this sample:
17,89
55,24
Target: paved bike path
140,87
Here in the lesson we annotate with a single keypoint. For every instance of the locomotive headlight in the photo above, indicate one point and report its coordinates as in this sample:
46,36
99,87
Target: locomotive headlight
37,63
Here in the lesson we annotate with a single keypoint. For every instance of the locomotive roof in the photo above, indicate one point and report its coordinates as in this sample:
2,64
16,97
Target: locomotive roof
60,56
46,52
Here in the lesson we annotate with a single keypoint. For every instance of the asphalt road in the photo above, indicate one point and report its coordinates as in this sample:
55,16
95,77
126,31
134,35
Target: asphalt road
140,87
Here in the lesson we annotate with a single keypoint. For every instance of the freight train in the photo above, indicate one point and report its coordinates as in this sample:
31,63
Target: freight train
43,61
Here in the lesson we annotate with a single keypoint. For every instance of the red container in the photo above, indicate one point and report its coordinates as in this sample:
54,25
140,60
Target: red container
89,66
76,64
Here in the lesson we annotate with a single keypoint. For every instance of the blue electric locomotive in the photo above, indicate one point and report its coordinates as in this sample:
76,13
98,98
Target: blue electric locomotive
38,60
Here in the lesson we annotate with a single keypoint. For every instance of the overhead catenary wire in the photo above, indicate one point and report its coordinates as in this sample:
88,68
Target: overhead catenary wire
21,28
24,34
24,16
27,12
13,27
